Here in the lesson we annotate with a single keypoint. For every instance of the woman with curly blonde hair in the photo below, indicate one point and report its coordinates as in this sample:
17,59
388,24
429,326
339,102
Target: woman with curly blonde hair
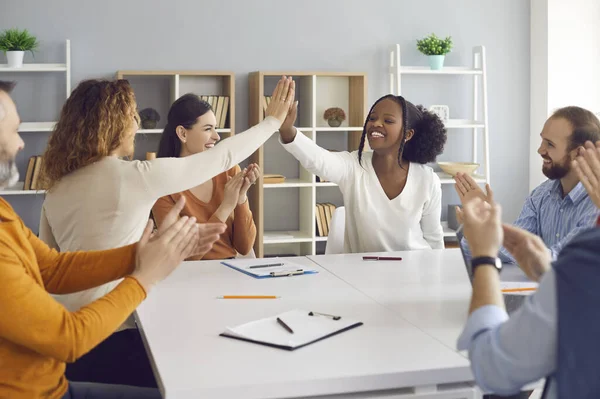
98,201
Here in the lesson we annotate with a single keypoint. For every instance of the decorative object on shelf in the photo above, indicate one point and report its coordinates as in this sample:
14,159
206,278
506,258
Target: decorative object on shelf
150,156
149,118
442,111
273,179
14,43
452,168
436,49
334,116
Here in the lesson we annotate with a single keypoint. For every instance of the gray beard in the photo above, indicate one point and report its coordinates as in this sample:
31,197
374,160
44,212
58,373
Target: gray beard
9,174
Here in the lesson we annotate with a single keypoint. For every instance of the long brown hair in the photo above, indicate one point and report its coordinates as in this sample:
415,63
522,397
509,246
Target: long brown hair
92,124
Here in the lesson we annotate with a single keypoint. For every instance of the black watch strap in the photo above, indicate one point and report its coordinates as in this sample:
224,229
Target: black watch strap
486,260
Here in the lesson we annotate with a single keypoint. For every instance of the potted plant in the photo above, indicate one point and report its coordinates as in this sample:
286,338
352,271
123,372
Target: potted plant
149,117
435,48
14,43
334,116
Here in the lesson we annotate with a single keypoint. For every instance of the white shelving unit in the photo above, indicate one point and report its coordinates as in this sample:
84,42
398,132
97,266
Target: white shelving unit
478,123
291,205
38,127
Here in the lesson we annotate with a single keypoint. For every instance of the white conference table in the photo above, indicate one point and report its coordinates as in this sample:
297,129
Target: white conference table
389,356
429,289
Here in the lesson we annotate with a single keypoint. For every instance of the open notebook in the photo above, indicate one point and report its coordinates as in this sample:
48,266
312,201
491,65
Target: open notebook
268,267
306,329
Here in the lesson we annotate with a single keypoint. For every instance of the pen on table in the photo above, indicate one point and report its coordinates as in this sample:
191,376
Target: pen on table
506,290
381,258
282,323
287,273
266,265
247,297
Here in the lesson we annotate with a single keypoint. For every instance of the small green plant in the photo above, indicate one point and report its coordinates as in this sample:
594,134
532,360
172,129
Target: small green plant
18,40
433,45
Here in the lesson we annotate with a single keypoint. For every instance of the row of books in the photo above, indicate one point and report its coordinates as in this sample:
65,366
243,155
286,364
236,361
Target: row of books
32,176
220,106
323,214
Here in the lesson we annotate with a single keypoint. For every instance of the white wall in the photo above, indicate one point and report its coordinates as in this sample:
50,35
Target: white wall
565,64
244,36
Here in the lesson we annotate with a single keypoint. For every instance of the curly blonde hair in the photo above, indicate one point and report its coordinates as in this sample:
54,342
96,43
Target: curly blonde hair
92,124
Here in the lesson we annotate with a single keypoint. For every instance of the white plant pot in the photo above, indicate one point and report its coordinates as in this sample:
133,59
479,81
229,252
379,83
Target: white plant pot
15,58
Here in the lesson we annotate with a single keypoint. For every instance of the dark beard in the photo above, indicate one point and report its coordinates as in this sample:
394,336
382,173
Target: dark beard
558,171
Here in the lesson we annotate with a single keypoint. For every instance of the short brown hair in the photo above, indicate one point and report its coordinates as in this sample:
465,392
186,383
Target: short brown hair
92,125
586,126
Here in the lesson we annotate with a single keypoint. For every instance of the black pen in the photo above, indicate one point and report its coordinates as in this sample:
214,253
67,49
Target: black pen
282,323
267,265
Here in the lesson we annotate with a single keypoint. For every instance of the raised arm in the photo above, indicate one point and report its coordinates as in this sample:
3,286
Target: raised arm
165,176
329,165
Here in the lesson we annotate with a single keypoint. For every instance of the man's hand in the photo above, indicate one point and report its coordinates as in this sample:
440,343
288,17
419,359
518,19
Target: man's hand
529,251
467,188
482,226
587,167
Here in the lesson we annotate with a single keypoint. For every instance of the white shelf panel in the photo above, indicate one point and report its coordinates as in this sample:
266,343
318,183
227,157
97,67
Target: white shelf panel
447,179
35,68
326,184
448,232
411,70
289,183
17,189
463,124
37,126
286,237
339,129
159,131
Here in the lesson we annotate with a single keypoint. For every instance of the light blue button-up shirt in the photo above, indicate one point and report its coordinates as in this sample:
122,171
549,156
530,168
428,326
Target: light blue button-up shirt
506,354
556,220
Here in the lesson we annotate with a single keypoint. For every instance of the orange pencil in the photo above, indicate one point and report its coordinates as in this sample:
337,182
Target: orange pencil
506,290
248,297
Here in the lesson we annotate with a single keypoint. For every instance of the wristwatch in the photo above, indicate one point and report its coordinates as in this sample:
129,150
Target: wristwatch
486,260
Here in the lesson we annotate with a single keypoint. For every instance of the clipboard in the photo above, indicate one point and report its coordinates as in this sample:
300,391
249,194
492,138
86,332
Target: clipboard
306,329
268,268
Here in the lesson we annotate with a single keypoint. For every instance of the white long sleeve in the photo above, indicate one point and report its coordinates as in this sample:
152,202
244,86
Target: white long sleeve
374,223
333,166
165,176
107,204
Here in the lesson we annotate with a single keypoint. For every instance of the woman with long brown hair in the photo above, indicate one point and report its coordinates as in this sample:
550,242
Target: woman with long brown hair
98,201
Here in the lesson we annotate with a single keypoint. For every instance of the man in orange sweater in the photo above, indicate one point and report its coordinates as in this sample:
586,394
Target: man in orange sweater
37,334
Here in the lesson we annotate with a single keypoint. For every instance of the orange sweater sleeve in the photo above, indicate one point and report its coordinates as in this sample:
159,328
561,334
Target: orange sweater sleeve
244,229
33,319
68,272
161,208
